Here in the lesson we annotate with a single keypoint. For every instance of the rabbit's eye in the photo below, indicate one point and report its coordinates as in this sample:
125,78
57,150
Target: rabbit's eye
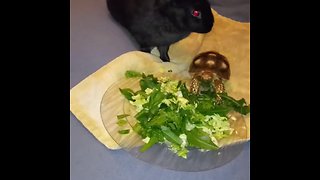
196,13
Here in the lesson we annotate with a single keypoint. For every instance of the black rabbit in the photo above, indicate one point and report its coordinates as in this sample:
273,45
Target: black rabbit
160,23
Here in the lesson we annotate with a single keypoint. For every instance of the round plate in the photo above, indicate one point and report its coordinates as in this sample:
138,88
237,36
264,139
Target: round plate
113,103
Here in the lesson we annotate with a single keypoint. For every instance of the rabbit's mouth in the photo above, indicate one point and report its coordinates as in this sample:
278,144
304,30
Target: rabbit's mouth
204,28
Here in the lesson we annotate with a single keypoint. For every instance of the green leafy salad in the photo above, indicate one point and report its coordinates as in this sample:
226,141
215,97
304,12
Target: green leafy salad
168,113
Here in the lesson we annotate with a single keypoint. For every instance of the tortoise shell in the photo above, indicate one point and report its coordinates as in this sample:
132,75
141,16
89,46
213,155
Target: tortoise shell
213,62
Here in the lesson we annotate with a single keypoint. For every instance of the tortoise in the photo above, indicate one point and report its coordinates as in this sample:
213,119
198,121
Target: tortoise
211,67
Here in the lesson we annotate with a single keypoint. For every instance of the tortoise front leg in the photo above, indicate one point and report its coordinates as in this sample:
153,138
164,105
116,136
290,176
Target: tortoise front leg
219,87
194,85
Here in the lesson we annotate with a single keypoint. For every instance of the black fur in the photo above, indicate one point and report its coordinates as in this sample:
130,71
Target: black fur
160,23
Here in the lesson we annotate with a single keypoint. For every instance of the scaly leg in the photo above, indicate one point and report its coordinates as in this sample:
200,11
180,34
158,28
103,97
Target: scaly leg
194,85
219,87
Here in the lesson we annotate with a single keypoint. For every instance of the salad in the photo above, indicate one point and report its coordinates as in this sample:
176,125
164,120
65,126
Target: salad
169,114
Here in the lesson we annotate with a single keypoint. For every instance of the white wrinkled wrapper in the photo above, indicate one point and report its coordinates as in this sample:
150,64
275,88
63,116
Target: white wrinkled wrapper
228,37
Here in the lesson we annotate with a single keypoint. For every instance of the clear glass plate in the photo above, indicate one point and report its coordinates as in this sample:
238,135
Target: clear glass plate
113,103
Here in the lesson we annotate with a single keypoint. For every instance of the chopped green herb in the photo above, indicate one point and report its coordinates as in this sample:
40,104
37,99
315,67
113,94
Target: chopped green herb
132,74
122,122
122,116
126,131
128,93
167,112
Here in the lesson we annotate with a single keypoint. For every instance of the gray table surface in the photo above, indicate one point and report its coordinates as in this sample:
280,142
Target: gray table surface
95,40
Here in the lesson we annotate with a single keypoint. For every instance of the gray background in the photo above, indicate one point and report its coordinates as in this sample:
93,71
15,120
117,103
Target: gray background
95,40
